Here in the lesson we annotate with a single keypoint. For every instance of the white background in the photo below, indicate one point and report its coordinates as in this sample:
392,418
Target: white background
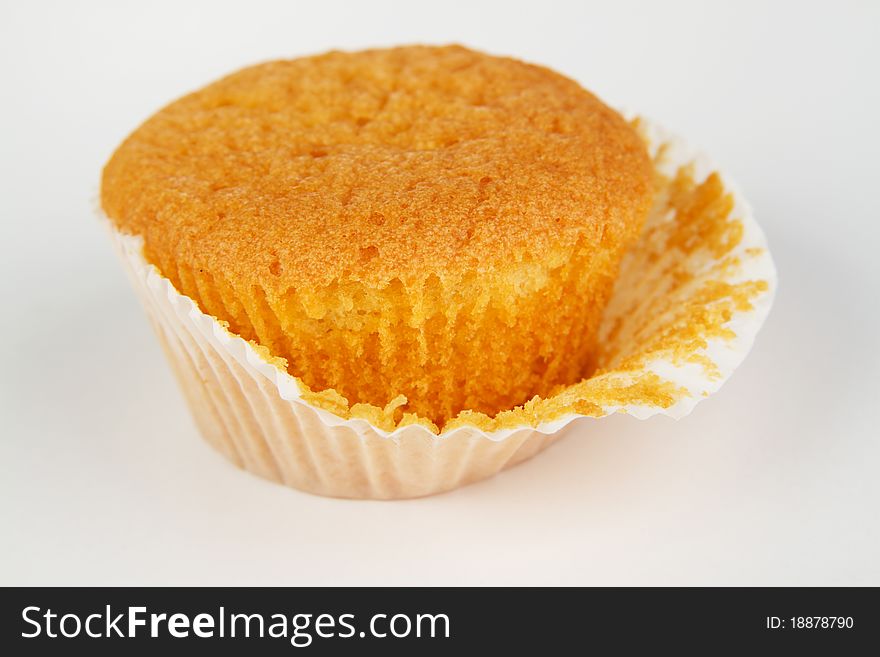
774,480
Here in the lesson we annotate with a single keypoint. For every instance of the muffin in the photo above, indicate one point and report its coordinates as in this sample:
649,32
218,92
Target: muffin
429,228
391,273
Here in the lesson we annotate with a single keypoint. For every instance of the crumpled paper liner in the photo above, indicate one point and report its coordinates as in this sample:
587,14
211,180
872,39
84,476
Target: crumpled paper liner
689,300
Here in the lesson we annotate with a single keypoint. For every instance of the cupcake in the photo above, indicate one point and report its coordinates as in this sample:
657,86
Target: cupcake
362,265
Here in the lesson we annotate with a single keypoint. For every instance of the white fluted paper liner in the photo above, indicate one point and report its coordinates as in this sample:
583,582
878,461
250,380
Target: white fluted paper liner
255,414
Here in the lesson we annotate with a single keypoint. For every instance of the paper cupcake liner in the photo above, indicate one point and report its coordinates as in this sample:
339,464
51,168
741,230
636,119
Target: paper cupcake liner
689,301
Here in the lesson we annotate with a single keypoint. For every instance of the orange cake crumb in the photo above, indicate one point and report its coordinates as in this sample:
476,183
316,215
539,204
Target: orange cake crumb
423,230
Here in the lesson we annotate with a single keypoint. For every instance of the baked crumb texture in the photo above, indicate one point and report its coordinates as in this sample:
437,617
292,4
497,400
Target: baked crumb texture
419,235
669,334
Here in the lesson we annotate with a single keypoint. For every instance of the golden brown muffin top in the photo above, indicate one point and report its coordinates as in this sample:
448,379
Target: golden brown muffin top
377,165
